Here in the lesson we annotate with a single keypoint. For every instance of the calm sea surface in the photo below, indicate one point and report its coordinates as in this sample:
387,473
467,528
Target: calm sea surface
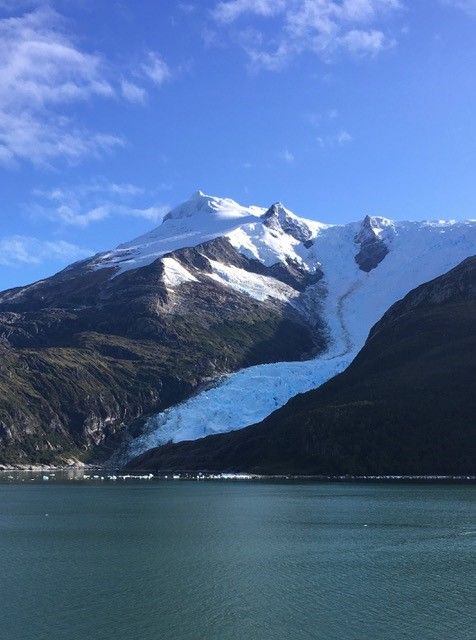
229,560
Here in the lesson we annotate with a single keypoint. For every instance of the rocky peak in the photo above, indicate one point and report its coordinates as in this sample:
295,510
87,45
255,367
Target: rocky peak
278,218
373,248
372,227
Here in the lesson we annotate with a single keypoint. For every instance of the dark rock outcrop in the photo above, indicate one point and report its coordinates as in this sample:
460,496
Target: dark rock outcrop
277,218
372,248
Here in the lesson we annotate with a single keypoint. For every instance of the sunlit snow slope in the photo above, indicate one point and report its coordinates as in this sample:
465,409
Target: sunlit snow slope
366,267
198,220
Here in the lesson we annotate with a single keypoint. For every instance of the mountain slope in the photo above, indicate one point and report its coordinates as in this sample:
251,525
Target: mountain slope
406,404
215,314
94,348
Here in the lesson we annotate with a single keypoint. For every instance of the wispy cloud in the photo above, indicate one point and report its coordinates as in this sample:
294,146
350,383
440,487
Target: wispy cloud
322,118
286,156
339,139
41,138
325,124
323,27
230,10
40,65
358,41
155,68
133,92
83,204
343,137
41,70
21,250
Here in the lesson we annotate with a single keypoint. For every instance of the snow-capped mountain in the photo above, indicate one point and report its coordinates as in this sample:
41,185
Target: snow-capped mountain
194,222
365,267
257,304
273,236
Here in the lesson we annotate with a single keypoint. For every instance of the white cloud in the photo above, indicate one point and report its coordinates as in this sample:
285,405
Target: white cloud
43,138
230,10
368,42
319,119
286,156
323,27
133,92
40,66
153,70
343,137
72,216
154,213
20,250
325,123
84,204
156,69
340,139
41,71
98,186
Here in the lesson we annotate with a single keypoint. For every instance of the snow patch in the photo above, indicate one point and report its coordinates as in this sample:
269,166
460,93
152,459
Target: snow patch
255,285
200,203
175,274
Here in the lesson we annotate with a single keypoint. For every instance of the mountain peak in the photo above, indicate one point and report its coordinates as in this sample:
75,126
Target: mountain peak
372,227
198,195
201,203
278,218
198,202
278,207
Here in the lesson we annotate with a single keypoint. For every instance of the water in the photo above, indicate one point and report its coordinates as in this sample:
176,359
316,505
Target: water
254,561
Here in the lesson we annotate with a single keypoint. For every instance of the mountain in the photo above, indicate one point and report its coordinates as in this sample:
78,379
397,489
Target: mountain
406,404
86,353
207,323
366,267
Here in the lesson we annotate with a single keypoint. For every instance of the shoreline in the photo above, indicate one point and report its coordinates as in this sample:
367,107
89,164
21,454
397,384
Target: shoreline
83,472
38,468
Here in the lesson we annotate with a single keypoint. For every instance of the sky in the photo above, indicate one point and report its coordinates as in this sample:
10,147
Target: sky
114,111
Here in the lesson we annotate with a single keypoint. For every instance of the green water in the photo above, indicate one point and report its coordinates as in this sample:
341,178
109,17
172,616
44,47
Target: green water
254,561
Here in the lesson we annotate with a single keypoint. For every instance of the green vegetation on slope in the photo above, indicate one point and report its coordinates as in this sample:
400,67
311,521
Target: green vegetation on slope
84,357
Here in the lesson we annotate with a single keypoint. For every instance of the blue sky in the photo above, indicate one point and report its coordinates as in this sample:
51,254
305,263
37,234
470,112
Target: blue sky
112,111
